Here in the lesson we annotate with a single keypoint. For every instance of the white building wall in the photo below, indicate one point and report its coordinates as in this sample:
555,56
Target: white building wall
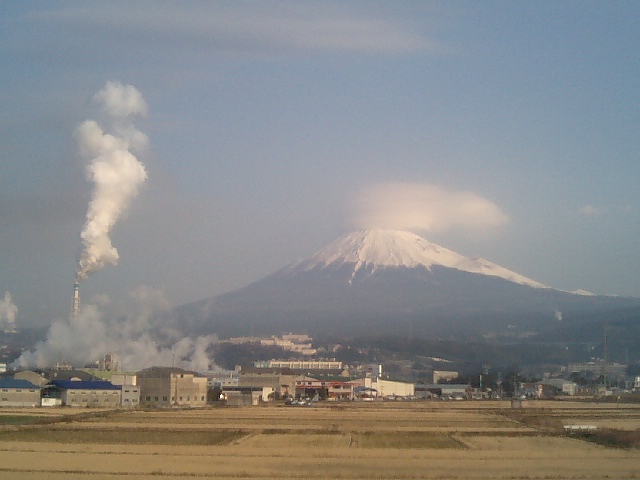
387,388
130,396
124,379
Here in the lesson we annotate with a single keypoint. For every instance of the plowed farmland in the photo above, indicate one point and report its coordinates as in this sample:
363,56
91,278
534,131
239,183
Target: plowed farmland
372,440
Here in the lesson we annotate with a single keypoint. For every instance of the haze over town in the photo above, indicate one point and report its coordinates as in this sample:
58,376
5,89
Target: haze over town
506,131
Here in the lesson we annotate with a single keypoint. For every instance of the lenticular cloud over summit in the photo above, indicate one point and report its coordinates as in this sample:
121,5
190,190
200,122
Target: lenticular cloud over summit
426,207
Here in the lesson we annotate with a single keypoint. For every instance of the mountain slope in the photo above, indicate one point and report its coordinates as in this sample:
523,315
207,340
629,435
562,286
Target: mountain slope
391,283
381,248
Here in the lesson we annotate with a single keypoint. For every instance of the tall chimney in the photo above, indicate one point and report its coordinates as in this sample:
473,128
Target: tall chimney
76,299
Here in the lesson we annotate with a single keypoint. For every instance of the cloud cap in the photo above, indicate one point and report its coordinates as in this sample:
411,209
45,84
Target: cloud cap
426,207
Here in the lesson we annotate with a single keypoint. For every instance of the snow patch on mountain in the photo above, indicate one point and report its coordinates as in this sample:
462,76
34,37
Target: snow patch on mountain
580,291
381,248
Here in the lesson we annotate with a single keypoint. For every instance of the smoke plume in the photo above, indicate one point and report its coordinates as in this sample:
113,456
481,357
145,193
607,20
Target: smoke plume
8,312
140,330
114,170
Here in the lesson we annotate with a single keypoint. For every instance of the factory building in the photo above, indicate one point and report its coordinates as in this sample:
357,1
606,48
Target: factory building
164,387
33,377
18,393
281,380
385,388
78,393
443,390
130,396
130,388
245,396
300,364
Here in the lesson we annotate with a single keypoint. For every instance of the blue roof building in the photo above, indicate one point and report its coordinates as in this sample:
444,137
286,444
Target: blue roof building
78,393
16,383
18,393
84,385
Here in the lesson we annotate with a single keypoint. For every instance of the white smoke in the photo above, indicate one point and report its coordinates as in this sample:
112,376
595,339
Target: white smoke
113,168
558,315
141,332
8,313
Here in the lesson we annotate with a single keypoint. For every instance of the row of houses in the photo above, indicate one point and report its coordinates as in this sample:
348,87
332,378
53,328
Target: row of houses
163,387
329,384
166,387
152,387
23,393
332,385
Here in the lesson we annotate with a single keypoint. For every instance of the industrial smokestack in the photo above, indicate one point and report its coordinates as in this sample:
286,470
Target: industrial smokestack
76,299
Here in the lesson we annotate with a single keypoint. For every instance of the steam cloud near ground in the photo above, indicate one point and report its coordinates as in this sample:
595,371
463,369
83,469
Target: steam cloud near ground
141,331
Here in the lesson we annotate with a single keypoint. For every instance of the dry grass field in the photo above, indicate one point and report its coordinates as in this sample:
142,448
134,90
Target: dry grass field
373,440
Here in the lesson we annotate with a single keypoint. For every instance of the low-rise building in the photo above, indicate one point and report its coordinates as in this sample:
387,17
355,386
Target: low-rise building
63,371
612,370
330,388
130,396
245,396
33,377
281,380
386,388
446,375
300,364
567,387
223,378
130,389
18,393
165,387
78,393
443,390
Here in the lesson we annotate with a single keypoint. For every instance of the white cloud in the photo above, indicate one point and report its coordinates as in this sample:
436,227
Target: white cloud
403,205
254,27
590,210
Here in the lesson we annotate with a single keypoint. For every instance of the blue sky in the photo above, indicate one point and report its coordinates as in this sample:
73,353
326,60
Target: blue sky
506,130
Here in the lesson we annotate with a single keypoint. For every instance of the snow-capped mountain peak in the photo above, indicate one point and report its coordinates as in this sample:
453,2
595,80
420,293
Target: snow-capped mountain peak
381,248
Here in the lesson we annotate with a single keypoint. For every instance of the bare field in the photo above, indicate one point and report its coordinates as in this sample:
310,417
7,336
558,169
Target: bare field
404,440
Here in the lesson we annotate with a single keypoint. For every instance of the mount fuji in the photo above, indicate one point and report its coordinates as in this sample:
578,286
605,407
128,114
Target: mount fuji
368,251
389,282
